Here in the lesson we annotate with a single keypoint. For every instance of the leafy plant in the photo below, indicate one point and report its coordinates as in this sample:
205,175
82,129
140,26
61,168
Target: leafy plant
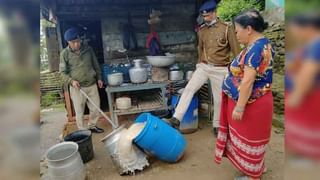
228,9
49,99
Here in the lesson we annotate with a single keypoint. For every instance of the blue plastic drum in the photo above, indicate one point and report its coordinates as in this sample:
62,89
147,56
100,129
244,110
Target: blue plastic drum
160,139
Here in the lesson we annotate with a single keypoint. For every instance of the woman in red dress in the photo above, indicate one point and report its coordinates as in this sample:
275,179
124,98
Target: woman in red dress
247,101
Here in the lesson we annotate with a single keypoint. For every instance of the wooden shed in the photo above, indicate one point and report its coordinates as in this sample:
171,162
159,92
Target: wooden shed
104,23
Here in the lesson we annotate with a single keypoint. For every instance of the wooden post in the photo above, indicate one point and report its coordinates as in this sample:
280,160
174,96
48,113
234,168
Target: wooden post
68,102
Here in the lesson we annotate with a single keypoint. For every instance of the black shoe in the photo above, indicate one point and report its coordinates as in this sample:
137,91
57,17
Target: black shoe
96,129
215,131
174,122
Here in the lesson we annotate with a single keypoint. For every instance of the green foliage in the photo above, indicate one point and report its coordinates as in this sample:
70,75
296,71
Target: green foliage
228,9
49,99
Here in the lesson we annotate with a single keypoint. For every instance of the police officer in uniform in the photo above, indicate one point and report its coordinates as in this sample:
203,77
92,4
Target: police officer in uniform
216,40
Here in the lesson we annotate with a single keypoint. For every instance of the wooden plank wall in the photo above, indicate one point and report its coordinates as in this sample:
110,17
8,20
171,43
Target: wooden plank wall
176,29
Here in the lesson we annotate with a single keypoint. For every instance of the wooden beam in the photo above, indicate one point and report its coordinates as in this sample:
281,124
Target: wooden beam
59,35
122,3
126,7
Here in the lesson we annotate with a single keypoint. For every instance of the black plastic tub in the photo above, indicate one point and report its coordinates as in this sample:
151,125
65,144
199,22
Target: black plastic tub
84,140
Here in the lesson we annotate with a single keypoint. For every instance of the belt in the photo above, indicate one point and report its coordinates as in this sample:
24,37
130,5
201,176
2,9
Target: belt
215,65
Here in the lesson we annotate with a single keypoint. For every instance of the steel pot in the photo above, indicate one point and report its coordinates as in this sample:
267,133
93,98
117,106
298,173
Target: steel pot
176,75
110,144
138,74
189,75
115,79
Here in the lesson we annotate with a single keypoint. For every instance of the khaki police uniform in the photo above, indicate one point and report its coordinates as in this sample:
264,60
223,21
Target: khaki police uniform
215,44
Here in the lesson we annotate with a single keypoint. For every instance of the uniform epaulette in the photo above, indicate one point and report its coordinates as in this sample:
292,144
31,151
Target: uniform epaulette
226,23
202,25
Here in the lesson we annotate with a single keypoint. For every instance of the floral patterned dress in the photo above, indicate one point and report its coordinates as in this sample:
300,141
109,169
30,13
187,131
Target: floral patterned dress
258,56
244,142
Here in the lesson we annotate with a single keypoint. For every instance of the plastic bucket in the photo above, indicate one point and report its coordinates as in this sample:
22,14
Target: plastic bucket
84,140
189,122
160,139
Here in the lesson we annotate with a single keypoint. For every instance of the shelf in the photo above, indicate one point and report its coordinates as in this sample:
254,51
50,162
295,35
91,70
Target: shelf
146,102
135,110
135,87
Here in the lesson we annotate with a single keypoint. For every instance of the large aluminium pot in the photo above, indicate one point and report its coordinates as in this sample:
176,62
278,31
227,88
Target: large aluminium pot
138,74
64,162
124,163
110,144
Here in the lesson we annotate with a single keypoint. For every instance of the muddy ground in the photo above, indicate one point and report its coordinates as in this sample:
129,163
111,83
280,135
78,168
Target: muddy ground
197,162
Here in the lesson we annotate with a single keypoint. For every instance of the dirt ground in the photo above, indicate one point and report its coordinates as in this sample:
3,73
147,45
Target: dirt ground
197,162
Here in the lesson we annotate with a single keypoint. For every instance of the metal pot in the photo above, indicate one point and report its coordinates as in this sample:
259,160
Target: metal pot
176,75
64,162
138,74
123,103
115,79
110,144
189,75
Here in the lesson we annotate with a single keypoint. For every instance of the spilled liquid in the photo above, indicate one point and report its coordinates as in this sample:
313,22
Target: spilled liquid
129,156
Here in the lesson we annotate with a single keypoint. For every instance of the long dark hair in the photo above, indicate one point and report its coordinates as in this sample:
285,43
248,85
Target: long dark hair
251,18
